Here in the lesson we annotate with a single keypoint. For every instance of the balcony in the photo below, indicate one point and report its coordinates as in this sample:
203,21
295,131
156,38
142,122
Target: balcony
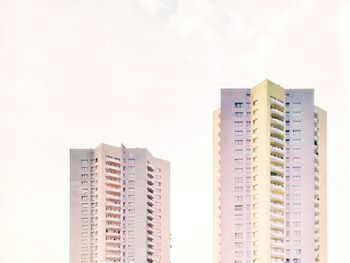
150,167
114,165
277,226
277,254
277,235
277,160
276,150
150,195
277,179
277,122
276,140
277,207
150,259
150,182
150,210
113,211
113,241
277,103
113,227
276,132
112,182
277,188
277,215
277,244
111,203
150,236
277,197
150,217
150,175
278,171
277,113
112,218
113,190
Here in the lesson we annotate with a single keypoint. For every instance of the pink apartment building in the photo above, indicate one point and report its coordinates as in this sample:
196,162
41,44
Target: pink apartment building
119,206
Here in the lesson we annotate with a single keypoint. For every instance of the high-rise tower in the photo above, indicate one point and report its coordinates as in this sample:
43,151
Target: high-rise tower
269,176
119,206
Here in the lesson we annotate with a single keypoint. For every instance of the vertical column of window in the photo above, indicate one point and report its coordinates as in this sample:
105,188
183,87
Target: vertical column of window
158,216
254,195
289,150
277,178
85,211
317,188
295,186
239,179
94,210
294,180
247,179
129,199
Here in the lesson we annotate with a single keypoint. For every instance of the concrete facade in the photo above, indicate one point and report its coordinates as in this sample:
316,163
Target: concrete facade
120,206
270,187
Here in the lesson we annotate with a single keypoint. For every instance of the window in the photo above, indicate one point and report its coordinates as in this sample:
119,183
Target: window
297,214
238,189
238,198
238,179
296,168
238,151
238,235
296,177
296,113
296,159
296,187
296,132
238,105
238,207
238,123
296,196
297,205
296,141
297,233
238,244
297,223
296,150
238,216
238,160
296,123
238,170
296,104
238,133
239,114
238,142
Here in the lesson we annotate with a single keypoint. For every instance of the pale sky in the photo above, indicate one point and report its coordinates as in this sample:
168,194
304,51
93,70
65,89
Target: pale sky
148,73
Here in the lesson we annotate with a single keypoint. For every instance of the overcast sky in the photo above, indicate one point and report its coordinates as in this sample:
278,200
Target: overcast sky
148,73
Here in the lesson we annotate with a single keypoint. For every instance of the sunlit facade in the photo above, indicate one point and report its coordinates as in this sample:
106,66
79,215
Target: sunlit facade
119,206
269,176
